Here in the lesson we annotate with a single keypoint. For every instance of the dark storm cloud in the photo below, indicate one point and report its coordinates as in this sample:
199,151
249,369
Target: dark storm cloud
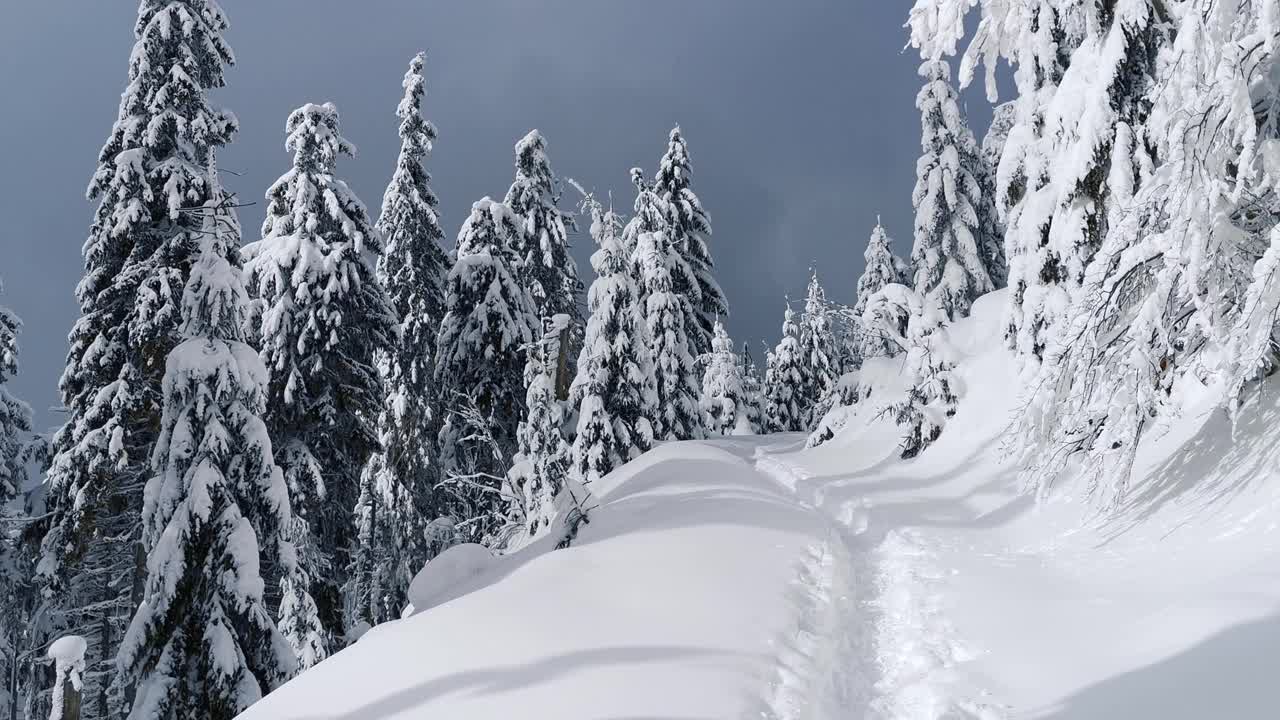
800,117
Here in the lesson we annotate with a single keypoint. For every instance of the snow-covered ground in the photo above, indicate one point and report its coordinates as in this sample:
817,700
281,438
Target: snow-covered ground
751,578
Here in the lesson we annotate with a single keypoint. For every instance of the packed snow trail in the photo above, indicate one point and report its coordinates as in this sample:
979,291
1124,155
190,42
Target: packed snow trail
901,664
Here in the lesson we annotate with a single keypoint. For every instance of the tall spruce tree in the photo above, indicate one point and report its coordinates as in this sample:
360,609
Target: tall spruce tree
881,268
785,380
725,403
615,388
818,353
18,595
489,319
140,249
753,387
947,259
203,642
546,268
689,227
321,320
538,470
668,315
398,499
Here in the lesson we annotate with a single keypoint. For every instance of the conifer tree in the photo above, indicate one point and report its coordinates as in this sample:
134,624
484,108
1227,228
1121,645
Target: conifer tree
321,320
785,380
818,353
753,387
539,468
203,642
546,268
15,415
881,268
725,402
947,261
651,216
666,315
990,218
397,490
140,249
17,592
615,388
689,227
489,319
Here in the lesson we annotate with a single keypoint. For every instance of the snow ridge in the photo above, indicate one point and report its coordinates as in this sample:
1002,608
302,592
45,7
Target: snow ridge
817,673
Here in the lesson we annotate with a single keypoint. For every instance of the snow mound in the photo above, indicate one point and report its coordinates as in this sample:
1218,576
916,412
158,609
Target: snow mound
68,650
449,575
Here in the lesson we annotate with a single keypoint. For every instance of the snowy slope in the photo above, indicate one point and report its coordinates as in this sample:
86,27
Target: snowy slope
679,599
754,579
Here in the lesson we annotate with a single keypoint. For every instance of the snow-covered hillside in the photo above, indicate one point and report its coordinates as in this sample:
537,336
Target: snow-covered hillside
751,578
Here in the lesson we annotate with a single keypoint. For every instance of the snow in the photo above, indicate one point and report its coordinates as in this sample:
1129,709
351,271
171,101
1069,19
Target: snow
448,574
67,650
751,577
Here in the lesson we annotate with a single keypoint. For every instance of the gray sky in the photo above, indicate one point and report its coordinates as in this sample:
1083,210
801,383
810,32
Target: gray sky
799,115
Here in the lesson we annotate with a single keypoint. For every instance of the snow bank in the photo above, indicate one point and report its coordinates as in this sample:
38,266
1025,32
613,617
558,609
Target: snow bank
450,575
677,600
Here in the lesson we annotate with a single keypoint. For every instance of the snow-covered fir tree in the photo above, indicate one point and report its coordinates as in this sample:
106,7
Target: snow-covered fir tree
991,231
947,258
203,642
18,594
881,268
725,401
785,380
320,321
917,325
398,499
689,227
650,216
818,353
753,389
667,317
538,470
137,256
1083,71
546,268
15,415
1183,292
615,389
489,319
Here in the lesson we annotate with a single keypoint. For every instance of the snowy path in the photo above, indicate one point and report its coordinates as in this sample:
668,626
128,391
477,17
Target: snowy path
893,649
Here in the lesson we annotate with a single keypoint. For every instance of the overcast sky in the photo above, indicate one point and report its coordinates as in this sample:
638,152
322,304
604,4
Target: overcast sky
799,115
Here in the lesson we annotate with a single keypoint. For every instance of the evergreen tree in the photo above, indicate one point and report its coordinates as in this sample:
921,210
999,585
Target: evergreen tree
651,216
489,319
990,217
15,415
538,470
947,259
546,268
203,643
689,228
398,499
18,595
753,388
917,325
666,314
881,268
785,380
615,389
321,320
725,403
139,252
818,354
